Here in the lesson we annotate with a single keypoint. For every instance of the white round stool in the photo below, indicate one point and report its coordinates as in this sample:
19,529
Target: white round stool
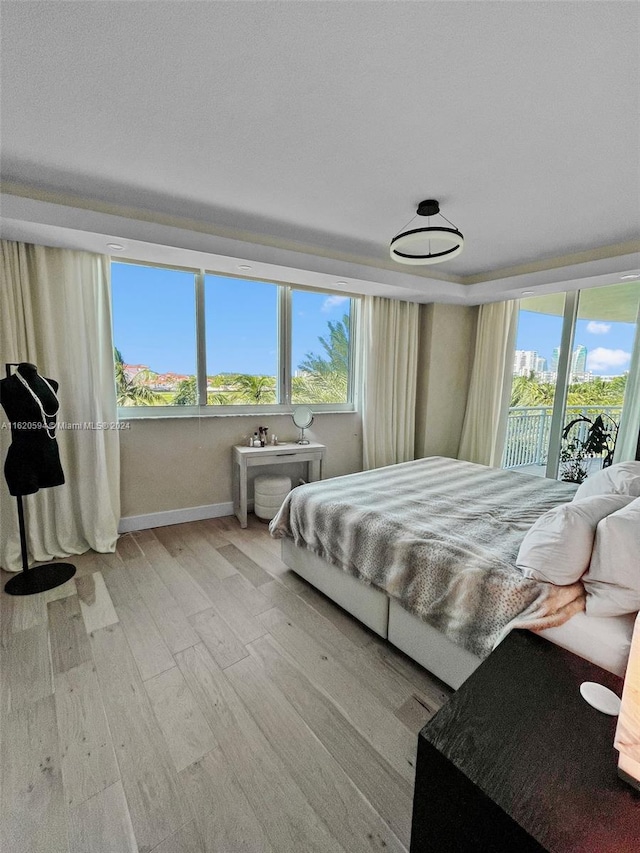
269,492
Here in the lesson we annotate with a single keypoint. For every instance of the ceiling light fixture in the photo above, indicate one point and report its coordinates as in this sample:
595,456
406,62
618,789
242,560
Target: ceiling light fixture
634,275
527,292
116,247
341,282
429,244
244,267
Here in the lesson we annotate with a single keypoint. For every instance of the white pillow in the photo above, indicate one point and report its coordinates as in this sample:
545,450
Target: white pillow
613,580
558,547
620,479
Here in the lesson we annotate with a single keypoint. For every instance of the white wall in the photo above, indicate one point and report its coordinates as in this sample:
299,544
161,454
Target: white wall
175,463
447,341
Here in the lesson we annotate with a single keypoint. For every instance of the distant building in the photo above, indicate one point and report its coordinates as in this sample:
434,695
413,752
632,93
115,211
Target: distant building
525,362
579,360
578,370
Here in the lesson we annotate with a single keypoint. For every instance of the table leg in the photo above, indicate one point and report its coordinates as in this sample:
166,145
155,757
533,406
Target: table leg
240,491
315,470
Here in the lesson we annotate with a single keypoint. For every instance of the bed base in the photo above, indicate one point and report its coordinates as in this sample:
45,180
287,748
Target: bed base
424,644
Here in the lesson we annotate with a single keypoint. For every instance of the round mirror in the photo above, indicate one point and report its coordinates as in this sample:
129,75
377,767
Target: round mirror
303,418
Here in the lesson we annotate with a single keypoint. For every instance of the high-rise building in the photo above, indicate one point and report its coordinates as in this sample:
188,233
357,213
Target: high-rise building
525,362
579,360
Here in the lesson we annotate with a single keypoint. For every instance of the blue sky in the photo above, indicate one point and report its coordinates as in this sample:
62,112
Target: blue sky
154,321
609,345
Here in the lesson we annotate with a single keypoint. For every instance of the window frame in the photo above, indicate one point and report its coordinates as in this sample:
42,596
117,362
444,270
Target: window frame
284,368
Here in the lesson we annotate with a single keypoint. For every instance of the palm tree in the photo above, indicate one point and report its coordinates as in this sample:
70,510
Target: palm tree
131,392
336,350
255,389
186,392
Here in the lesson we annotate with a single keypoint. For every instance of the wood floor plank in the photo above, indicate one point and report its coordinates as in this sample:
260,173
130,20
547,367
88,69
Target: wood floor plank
218,638
88,760
211,532
280,806
383,682
168,616
244,564
25,668
149,649
249,595
95,602
198,546
265,551
69,642
328,789
389,793
189,594
186,732
393,740
127,548
155,797
102,824
19,612
415,714
186,840
358,633
224,815
34,817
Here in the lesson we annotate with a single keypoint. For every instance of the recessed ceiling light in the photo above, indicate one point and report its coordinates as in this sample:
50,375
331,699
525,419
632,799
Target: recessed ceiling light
244,267
527,292
634,275
341,282
116,247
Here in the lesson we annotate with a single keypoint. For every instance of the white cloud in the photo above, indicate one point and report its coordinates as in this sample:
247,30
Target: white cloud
603,359
331,302
598,328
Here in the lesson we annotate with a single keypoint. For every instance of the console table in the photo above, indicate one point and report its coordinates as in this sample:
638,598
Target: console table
249,457
518,761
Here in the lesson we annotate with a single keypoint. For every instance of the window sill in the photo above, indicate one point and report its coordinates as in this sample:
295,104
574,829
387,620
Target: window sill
144,413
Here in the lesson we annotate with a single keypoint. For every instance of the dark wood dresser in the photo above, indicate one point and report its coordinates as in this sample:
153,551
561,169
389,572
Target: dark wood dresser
518,761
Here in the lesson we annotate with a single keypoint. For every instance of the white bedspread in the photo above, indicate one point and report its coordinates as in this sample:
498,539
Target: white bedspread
441,536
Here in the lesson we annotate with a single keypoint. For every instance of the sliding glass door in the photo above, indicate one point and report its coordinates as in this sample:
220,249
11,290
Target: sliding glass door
572,376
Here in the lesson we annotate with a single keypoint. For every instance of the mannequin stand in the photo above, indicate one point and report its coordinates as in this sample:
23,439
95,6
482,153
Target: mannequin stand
39,578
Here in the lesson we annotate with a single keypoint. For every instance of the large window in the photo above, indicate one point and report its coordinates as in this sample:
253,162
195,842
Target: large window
194,339
571,371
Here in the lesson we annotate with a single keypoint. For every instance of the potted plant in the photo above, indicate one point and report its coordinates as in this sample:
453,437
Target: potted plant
599,440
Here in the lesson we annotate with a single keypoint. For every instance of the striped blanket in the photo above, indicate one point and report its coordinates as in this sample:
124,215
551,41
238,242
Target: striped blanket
441,536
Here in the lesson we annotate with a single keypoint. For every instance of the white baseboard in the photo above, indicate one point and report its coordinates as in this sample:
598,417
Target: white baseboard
174,516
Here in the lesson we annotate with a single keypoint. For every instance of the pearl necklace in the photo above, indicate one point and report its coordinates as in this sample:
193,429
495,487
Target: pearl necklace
49,430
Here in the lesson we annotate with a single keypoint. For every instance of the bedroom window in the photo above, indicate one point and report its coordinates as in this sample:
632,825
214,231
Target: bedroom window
191,342
320,372
573,368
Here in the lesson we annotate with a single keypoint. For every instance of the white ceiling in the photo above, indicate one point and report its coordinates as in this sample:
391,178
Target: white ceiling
318,126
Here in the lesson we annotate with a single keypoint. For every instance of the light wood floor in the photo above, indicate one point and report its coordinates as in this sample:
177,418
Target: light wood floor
189,694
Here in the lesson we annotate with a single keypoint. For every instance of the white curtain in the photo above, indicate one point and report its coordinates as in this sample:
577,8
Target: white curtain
390,330
483,431
55,312
627,441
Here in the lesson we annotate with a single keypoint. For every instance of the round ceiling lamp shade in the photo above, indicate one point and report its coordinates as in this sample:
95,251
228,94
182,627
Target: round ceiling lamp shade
430,244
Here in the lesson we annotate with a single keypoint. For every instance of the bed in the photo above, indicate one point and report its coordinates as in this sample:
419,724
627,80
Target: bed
424,552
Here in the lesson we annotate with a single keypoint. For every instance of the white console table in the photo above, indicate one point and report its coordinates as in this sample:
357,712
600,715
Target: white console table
249,457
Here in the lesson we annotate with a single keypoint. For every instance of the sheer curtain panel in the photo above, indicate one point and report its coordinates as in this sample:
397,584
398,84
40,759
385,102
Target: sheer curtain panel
390,357
629,432
490,389
55,312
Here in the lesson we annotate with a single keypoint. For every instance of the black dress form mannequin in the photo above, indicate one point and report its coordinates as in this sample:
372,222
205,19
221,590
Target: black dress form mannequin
33,462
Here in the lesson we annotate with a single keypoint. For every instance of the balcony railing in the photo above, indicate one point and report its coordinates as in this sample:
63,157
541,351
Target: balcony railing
527,438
